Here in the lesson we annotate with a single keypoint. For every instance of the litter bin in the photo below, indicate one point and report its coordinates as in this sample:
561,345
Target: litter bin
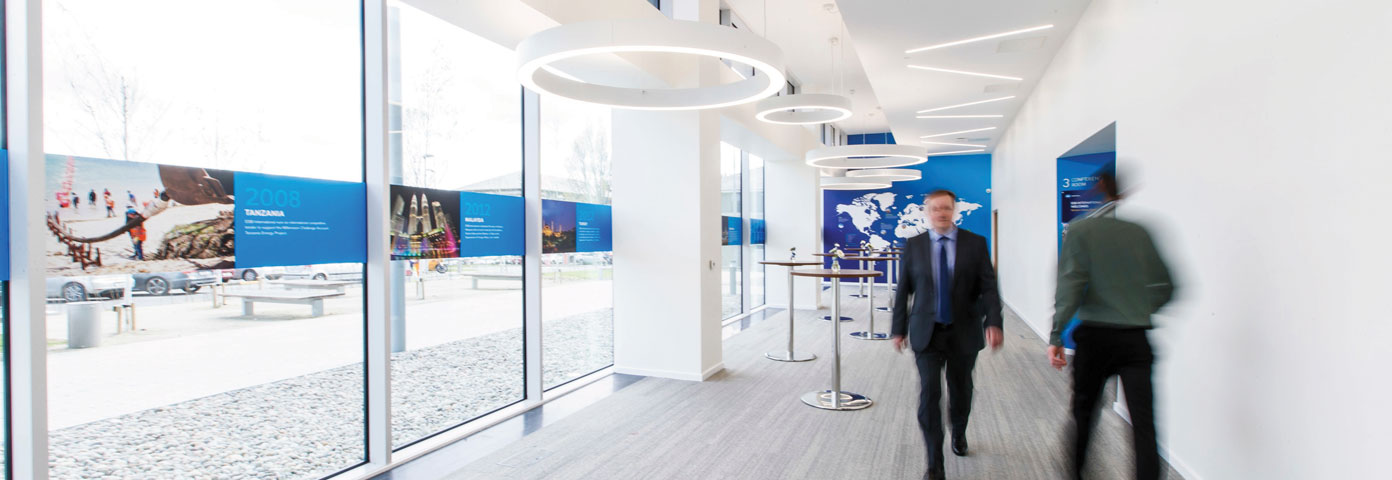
84,324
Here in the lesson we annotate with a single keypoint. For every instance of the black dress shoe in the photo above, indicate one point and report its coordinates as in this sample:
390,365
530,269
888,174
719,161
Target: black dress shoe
934,474
959,445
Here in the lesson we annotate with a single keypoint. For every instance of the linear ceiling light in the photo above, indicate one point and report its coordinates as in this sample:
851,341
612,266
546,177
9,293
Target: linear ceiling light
804,109
936,135
965,104
960,116
953,144
960,72
974,150
866,156
978,39
599,37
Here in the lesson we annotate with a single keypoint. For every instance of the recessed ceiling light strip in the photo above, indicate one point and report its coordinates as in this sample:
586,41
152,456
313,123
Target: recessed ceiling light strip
936,135
965,104
953,144
960,72
974,150
960,116
978,39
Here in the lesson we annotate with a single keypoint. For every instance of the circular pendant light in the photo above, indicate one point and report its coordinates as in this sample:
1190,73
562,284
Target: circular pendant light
552,45
875,156
815,108
886,174
846,183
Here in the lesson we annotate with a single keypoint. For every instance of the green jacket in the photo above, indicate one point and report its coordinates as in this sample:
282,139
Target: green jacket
1110,274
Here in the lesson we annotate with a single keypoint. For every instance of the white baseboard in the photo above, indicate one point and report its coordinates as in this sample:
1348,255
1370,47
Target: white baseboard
1043,335
672,374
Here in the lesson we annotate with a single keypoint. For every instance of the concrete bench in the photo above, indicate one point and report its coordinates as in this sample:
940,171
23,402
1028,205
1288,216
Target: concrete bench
315,300
314,285
475,277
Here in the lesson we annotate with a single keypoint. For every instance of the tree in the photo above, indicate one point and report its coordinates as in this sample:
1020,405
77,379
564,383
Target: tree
119,117
589,165
432,117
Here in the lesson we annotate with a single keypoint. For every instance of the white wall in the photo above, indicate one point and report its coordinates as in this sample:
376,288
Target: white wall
1255,138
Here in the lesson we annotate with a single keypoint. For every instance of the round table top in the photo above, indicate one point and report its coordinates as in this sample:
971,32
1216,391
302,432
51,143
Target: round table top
844,273
871,259
855,249
791,263
826,254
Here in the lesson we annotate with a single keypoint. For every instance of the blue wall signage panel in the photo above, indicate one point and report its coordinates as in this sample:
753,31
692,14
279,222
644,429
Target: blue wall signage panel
491,225
887,217
298,221
756,231
117,217
1077,177
731,233
569,227
594,230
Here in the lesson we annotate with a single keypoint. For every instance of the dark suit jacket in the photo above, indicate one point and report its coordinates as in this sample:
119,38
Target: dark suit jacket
974,296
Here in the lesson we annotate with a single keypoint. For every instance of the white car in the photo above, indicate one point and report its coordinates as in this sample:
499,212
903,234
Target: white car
81,289
335,271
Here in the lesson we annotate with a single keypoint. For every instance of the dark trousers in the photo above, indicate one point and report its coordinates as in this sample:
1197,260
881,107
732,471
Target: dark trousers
941,352
1103,352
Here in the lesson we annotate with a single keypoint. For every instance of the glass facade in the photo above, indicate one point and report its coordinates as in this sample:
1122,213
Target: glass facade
180,382
577,288
457,323
731,251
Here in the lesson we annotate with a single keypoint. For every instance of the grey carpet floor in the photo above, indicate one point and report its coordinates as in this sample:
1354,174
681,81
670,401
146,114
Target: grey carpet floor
747,422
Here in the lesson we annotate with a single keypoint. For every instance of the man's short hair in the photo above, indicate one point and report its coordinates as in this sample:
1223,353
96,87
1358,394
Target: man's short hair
941,193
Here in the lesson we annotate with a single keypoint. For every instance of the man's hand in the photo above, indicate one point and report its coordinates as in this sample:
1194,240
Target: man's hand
898,342
995,337
1056,357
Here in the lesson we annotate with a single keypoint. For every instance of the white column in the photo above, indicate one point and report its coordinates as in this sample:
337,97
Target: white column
531,192
793,221
28,347
378,279
667,224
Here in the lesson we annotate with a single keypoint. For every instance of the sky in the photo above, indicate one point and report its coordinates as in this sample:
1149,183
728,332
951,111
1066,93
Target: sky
275,87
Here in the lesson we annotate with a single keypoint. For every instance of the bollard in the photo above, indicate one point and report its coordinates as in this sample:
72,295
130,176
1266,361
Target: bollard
84,324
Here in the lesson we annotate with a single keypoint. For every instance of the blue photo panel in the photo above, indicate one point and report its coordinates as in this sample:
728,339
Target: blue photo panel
298,221
594,230
557,226
733,233
756,231
490,225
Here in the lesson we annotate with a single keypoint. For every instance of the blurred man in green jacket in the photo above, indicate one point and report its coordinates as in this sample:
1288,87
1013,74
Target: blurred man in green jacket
1113,278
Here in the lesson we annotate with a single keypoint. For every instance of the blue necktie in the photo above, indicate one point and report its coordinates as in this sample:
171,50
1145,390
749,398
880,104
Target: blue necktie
944,284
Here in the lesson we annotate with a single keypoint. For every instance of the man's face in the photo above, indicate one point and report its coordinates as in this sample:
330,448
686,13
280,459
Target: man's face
940,211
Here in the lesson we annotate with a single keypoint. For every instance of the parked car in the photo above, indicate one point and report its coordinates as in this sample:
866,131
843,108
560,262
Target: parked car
163,283
81,289
251,274
336,271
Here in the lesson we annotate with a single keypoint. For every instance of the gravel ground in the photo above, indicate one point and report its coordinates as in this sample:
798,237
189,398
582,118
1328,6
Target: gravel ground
576,345
312,426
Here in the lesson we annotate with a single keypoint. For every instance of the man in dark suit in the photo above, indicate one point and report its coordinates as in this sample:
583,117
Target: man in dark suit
955,313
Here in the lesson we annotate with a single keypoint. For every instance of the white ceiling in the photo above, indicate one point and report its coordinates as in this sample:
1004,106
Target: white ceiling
884,29
804,28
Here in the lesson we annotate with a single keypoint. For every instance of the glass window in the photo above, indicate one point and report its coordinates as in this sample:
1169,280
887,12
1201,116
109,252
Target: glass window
756,212
456,322
577,289
731,299
170,381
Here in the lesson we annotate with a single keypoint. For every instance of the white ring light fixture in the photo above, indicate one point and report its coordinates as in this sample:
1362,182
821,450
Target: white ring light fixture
552,45
880,156
816,108
846,183
886,174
